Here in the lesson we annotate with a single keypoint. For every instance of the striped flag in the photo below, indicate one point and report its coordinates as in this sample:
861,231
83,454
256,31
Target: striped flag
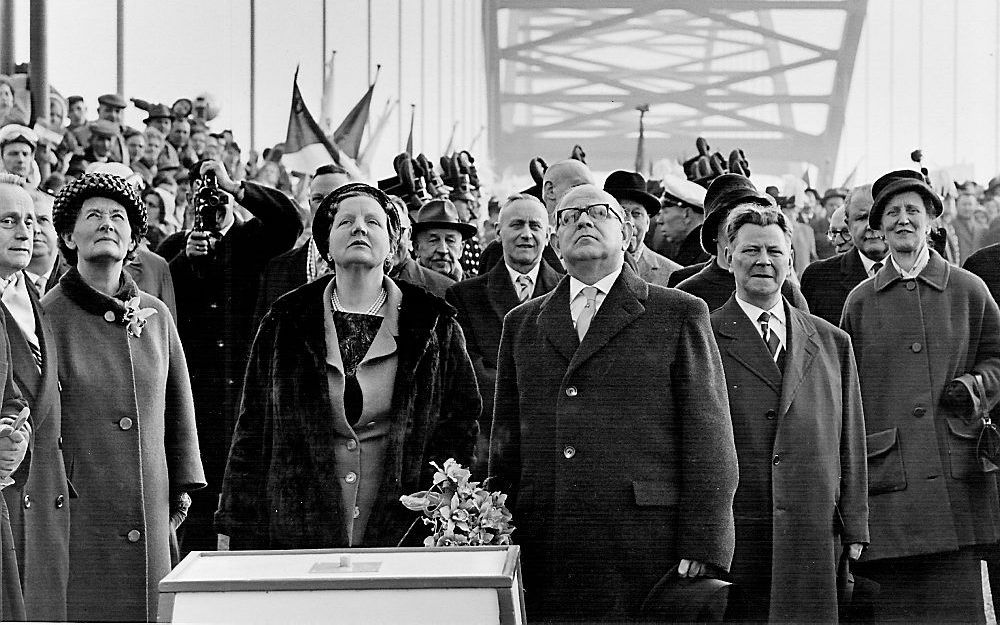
306,147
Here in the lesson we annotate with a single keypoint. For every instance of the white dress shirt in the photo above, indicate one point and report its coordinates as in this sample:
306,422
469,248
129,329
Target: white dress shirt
532,275
868,263
776,322
578,301
15,298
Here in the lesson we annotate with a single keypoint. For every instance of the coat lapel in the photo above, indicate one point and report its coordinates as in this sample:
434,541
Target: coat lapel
49,388
555,323
800,352
852,270
548,278
500,291
620,308
745,345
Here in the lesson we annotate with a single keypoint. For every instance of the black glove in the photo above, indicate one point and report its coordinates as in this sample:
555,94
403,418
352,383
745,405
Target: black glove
958,398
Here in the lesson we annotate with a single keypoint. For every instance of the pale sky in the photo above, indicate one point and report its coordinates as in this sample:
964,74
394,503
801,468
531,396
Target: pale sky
926,74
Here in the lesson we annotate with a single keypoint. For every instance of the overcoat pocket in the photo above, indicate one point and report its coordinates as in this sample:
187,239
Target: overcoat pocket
962,442
885,462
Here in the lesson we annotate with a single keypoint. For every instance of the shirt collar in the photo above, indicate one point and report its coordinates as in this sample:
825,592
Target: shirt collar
515,274
923,257
754,312
603,285
867,262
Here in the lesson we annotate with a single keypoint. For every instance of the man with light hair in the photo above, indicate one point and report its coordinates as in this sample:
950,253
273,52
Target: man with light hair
794,386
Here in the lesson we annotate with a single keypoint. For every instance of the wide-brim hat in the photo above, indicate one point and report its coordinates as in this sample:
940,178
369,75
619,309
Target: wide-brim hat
724,194
629,185
894,183
158,111
683,600
442,213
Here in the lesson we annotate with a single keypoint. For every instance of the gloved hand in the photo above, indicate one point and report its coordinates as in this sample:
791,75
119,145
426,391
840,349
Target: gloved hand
958,398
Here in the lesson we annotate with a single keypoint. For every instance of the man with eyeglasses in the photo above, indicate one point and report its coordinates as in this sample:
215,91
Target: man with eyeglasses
826,283
611,487
838,234
926,337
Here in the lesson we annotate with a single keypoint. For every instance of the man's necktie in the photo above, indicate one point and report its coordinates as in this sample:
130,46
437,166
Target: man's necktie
583,322
770,338
876,267
40,285
523,287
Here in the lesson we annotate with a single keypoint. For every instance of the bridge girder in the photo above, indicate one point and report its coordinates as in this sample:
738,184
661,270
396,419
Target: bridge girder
769,76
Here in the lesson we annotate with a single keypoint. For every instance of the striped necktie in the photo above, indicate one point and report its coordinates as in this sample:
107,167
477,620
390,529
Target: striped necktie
770,338
523,287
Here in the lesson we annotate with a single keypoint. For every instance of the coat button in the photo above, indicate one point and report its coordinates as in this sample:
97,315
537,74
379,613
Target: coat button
776,461
916,347
571,391
351,477
60,501
60,442
230,381
352,444
125,423
569,451
134,536
27,501
213,306
919,411
109,317
220,344
771,414
357,512
910,285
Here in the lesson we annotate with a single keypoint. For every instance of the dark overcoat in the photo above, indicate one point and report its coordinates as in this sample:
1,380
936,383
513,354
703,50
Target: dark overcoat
216,297
826,284
482,302
912,337
716,285
280,490
39,498
985,263
428,279
800,440
129,442
285,272
11,598
617,452
492,254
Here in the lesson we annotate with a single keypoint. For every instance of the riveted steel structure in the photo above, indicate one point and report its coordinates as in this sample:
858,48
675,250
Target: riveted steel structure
770,76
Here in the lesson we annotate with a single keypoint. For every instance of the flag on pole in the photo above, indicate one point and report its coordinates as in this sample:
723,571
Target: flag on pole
451,140
409,137
805,178
348,135
373,138
640,148
849,181
306,147
326,104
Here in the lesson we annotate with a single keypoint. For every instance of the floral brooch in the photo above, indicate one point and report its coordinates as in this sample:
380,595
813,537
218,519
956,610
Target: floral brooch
134,317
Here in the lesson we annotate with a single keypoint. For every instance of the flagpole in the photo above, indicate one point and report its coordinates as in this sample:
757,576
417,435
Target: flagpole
253,77
120,47
322,53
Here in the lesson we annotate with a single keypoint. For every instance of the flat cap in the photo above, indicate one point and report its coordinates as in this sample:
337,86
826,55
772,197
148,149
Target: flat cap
103,128
113,100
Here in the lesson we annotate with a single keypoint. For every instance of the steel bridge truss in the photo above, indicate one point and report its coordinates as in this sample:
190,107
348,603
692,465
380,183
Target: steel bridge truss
770,76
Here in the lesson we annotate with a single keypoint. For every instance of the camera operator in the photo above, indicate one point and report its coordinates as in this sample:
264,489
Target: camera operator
216,267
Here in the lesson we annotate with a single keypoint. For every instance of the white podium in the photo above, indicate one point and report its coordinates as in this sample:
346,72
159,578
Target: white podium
459,585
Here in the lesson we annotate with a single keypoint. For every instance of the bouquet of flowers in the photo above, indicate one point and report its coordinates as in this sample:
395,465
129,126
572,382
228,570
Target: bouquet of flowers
460,512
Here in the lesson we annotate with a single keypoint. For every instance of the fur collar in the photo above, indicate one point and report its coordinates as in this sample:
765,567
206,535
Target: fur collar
95,302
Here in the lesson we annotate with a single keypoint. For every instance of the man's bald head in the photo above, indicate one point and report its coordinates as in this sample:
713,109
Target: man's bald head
592,241
586,194
560,178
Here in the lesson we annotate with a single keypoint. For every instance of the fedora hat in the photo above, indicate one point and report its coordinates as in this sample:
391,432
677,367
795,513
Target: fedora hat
725,193
629,185
158,111
678,599
441,213
894,183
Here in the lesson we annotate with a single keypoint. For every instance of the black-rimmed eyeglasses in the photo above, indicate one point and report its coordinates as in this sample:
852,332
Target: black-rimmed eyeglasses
596,212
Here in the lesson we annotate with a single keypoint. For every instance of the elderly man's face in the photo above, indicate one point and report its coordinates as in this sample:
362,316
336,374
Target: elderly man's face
673,222
136,145
838,233
162,124
905,222
44,240
636,213
523,231
439,249
100,144
154,145
760,258
17,222
869,242
110,113
591,227
180,132
17,158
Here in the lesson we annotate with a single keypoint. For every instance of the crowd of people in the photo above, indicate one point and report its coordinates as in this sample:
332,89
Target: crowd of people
685,382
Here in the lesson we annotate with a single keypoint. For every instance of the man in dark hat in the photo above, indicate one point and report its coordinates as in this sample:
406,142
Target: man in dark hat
482,302
111,108
714,283
783,366
100,143
159,117
439,235
404,267
640,207
216,277
826,283
302,264
927,342
611,431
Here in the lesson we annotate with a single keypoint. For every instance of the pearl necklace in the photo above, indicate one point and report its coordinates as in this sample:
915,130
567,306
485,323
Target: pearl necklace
372,310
